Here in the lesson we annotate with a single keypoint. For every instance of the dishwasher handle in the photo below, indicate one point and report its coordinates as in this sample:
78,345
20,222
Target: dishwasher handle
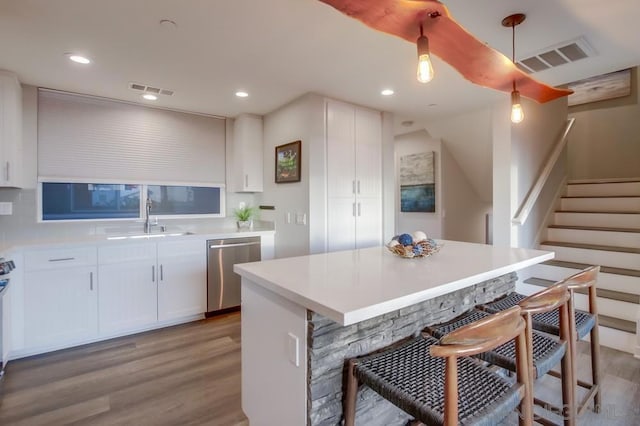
233,245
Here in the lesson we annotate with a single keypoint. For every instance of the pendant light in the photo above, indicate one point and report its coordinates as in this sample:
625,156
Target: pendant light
425,69
517,114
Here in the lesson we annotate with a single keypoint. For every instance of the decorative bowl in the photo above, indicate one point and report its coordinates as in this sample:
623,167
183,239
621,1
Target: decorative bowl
423,248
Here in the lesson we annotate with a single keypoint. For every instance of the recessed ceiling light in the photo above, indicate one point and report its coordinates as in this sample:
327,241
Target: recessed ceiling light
242,94
387,92
149,97
79,59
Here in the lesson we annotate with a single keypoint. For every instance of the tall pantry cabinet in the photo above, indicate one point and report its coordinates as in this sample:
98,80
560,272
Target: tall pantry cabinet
354,176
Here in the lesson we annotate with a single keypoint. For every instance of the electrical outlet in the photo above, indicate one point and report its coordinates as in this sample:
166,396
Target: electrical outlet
287,217
301,218
6,208
293,349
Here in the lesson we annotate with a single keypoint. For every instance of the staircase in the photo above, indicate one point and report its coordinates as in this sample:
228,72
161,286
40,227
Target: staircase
598,223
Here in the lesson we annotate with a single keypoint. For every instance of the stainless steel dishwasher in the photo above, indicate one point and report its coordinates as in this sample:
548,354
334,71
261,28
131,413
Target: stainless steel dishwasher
223,285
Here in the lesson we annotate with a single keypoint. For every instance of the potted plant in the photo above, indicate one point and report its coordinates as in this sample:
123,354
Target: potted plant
244,215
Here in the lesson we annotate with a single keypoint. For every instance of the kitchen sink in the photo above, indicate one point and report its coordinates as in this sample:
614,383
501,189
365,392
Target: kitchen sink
147,236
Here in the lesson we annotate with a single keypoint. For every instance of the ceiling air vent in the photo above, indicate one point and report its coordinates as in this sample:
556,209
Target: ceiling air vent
554,56
150,89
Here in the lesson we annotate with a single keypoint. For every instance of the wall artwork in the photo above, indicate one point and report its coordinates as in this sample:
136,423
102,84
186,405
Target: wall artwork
288,159
601,87
417,183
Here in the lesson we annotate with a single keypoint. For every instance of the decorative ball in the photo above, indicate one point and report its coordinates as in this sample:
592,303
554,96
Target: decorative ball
417,250
419,236
393,243
405,239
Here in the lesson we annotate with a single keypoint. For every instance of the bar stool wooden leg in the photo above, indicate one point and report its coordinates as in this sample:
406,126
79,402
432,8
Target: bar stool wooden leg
595,352
350,396
567,367
523,373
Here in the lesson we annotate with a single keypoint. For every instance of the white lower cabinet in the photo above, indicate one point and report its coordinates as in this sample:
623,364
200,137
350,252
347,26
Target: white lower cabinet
60,297
74,295
141,284
182,289
128,286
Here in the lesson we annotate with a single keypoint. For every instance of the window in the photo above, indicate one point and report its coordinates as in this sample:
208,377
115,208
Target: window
71,201
184,200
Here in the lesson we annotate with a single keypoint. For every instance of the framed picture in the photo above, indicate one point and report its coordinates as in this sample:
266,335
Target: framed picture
601,87
288,159
417,183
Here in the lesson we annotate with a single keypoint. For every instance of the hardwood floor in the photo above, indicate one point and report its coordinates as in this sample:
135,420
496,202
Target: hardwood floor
183,375
190,375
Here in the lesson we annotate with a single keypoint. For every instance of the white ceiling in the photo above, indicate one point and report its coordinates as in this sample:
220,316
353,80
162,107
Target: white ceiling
278,50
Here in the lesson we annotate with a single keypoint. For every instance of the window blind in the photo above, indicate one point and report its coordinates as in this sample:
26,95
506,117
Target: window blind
95,138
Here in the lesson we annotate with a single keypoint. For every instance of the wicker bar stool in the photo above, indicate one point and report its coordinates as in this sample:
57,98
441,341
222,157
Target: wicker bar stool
410,375
584,323
544,352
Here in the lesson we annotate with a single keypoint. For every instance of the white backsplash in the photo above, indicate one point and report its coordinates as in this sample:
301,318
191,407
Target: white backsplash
22,226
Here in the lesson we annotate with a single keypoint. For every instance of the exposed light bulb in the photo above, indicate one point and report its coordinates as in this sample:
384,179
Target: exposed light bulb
150,97
425,69
517,114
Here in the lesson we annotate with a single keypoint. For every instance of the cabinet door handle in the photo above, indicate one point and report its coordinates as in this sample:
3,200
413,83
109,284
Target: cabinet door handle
62,259
153,273
359,209
246,180
161,273
353,186
358,186
354,209
91,281
8,174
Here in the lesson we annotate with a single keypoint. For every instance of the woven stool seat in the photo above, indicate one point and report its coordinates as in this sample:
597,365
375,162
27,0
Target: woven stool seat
549,322
547,351
413,380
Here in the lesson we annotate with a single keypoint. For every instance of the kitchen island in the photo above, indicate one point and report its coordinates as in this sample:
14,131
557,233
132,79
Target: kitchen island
303,316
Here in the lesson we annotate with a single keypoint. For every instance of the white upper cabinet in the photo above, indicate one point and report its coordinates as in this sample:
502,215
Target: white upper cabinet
341,151
246,154
10,130
368,161
354,176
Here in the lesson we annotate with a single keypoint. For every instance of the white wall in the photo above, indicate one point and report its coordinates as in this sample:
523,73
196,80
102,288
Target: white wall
464,213
605,140
302,119
468,137
430,223
460,213
519,154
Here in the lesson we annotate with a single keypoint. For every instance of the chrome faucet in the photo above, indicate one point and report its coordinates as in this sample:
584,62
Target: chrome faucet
147,223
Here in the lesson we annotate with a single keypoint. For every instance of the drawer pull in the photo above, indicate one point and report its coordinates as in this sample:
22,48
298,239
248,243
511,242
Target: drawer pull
153,274
161,273
91,281
62,259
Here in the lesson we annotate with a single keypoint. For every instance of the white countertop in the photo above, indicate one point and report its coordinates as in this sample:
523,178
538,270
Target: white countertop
133,236
353,286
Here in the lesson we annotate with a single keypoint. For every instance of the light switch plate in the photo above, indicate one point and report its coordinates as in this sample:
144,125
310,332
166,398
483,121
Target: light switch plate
6,208
301,218
293,349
